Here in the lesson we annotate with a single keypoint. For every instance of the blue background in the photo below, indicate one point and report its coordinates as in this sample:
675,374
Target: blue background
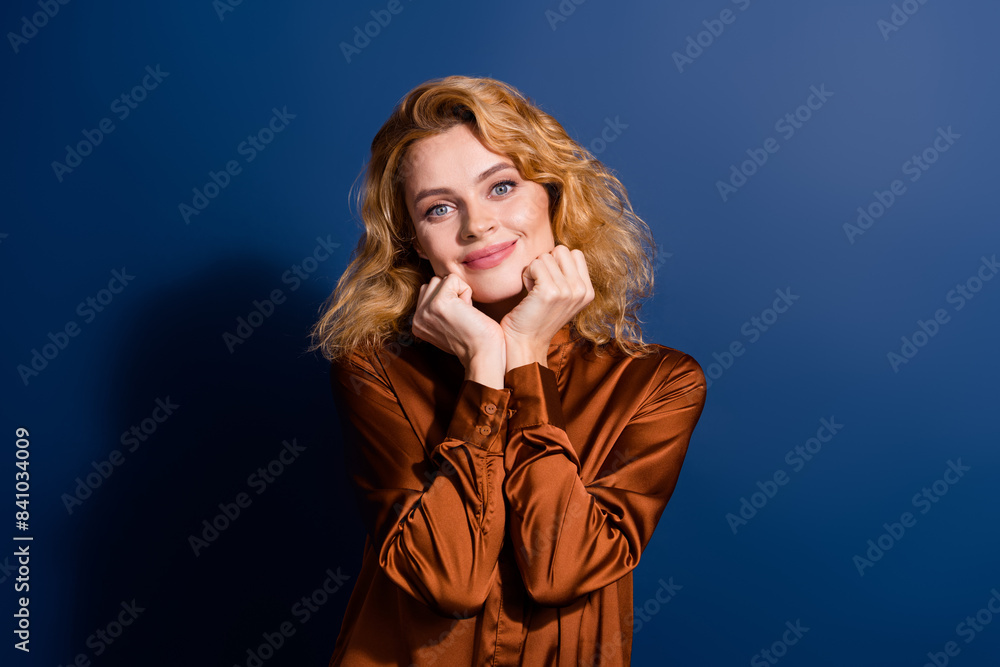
680,130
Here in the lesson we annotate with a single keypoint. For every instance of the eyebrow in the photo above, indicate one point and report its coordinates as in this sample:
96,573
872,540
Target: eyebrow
499,166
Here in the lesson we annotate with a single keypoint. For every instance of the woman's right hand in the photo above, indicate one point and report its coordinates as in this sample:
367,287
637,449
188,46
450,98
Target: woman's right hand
446,318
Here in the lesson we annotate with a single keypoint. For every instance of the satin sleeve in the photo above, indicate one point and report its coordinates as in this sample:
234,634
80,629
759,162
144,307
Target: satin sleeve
573,538
435,510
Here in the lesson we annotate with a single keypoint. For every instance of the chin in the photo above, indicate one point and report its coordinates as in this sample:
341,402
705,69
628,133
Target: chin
497,290
494,296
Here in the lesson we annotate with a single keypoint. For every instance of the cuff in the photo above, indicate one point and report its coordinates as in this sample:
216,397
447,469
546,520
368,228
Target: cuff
534,397
480,415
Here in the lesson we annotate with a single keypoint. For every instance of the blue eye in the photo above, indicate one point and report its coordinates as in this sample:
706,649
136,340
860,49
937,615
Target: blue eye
506,186
436,210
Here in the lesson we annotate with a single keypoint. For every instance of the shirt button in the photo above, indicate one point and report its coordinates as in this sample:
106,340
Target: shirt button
484,430
490,408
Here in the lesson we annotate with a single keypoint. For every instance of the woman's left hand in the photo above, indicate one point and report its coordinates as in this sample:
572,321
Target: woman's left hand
559,287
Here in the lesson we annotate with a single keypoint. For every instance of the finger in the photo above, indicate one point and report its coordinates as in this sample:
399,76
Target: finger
568,265
463,291
557,280
460,285
432,285
453,286
420,299
540,275
526,279
426,292
584,272
438,287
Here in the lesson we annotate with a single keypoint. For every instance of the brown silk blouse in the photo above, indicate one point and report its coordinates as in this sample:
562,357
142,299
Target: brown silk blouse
504,524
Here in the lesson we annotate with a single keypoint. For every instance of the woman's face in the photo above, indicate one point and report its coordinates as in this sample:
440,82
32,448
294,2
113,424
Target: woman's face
474,215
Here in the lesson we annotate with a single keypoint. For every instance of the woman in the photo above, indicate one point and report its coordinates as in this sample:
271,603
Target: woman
512,439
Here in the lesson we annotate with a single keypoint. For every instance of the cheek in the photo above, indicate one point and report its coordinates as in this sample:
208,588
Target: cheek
433,249
526,213
532,218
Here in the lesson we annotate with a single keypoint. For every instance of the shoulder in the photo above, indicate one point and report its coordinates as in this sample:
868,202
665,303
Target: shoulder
663,372
357,362
366,365
679,372
659,360
397,364
351,373
675,363
673,370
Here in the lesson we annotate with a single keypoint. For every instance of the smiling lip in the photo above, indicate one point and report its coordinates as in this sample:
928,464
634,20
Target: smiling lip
490,256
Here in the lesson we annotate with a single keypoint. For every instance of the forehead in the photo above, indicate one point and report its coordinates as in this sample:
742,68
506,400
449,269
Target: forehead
453,158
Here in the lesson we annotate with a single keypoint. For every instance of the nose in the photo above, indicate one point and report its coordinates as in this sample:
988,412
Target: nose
477,221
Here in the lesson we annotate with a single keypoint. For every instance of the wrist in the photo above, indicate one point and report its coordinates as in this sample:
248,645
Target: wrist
487,370
522,353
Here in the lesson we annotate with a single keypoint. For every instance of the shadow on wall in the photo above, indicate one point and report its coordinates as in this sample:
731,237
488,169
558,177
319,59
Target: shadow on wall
230,512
